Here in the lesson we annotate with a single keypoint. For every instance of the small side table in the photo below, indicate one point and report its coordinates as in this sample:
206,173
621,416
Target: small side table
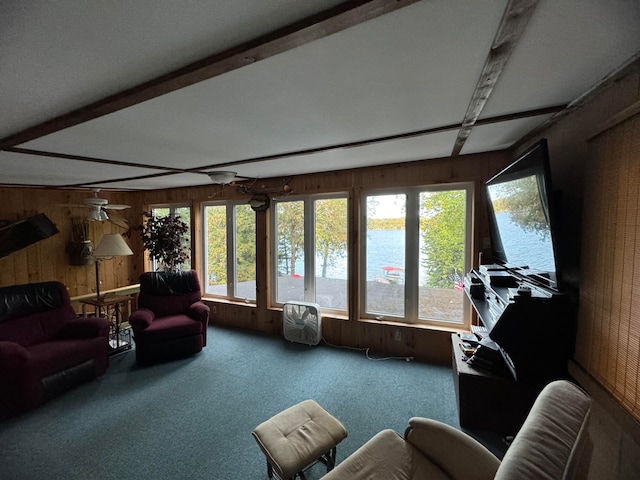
109,307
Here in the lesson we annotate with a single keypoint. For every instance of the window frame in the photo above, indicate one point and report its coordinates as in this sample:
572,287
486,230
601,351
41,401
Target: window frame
152,264
231,259
412,251
309,246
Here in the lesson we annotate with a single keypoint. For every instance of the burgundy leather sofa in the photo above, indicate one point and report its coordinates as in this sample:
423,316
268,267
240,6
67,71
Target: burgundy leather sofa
45,348
171,320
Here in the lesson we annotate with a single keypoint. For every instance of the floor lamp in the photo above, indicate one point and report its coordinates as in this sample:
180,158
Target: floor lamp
111,245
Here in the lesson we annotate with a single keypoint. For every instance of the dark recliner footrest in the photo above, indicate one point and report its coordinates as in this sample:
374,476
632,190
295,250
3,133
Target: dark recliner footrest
60,382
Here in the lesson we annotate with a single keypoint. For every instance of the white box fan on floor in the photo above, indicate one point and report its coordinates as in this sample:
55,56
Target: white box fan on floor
302,322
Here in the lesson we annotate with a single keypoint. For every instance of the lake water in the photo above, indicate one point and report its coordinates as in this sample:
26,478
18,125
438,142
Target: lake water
386,247
525,248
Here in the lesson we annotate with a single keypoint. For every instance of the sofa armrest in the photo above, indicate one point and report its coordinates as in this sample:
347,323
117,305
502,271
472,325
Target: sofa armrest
455,452
199,311
141,318
12,355
89,327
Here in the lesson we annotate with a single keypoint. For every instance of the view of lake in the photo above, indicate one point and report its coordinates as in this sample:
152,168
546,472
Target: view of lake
385,247
525,248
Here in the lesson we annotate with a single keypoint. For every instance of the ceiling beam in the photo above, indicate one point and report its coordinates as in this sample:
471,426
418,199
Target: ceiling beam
82,158
310,151
322,24
514,21
389,138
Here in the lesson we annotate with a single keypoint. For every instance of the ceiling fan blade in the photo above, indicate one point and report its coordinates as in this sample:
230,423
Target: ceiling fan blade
116,207
118,220
72,205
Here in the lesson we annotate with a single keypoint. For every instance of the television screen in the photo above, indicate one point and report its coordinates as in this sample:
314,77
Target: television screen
521,216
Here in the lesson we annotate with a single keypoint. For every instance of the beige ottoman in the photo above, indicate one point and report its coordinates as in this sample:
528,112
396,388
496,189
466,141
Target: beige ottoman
298,437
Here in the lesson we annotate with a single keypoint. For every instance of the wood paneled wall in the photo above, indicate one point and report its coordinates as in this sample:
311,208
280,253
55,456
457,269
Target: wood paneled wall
48,260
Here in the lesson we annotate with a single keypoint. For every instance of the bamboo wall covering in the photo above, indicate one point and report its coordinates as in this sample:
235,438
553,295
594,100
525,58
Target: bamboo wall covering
608,343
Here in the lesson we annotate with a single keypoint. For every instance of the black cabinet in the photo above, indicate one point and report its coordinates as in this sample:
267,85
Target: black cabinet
534,329
534,326
489,400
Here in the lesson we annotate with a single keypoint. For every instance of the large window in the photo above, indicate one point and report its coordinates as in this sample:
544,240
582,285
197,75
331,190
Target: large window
182,211
230,251
416,249
310,245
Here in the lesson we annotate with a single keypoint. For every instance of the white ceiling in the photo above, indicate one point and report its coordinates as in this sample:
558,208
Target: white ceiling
414,69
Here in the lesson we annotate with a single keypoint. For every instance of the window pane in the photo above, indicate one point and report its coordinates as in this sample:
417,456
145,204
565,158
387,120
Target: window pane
331,253
385,254
245,255
290,251
185,216
216,252
442,254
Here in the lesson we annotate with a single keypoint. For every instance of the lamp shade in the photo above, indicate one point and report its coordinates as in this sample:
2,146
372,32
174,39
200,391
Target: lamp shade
112,245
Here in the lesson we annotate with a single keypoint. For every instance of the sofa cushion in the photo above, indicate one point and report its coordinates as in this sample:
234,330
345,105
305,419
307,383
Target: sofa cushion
162,305
553,439
24,300
170,328
37,327
51,357
169,283
386,456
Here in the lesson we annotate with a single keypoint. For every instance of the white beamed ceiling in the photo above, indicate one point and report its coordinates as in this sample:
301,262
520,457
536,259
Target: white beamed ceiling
413,69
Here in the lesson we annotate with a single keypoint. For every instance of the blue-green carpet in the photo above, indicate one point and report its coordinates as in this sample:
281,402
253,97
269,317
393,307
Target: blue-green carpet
192,418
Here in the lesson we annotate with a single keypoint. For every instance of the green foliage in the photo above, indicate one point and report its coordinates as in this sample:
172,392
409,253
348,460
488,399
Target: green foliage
164,237
290,235
386,223
521,198
217,244
245,243
331,231
442,227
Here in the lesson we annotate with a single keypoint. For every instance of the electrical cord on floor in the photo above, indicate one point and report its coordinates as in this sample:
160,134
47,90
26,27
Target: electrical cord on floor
366,352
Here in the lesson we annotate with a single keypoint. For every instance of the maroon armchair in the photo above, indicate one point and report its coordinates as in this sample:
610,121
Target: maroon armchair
171,321
45,348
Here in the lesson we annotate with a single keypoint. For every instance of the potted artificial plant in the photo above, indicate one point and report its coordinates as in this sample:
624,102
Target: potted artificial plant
165,240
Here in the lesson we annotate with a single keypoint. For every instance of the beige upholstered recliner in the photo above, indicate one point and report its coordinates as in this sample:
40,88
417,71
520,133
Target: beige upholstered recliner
553,444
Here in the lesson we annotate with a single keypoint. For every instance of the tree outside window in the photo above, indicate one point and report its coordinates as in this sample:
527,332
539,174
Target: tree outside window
230,251
416,254
311,261
183,214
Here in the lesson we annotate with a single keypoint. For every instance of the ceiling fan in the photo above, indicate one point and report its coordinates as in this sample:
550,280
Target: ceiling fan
97,208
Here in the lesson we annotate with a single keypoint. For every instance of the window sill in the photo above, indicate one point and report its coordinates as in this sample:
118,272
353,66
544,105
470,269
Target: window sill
227,301
418,326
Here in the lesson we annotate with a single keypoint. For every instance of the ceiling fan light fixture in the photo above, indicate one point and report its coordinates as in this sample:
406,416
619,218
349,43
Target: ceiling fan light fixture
222,176
94,214
97,214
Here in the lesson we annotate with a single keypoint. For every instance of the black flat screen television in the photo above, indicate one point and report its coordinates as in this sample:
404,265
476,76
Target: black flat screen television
522,218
